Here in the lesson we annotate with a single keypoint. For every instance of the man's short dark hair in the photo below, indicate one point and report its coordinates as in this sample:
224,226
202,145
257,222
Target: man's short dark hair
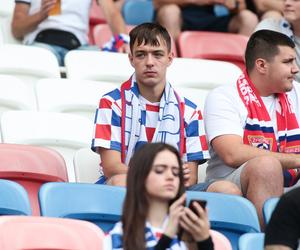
148,33
264,44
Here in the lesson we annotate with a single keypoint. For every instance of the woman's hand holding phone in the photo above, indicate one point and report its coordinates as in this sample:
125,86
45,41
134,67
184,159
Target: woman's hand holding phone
195,220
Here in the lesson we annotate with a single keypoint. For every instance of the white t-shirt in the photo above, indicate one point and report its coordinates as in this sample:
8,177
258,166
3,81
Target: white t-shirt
225,113
74,18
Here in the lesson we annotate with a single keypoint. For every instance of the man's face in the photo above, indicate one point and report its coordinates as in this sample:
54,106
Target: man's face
282,70
150,63
292,11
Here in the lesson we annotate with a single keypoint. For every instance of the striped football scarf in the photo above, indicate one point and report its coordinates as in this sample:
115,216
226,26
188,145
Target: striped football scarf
171,115
259,131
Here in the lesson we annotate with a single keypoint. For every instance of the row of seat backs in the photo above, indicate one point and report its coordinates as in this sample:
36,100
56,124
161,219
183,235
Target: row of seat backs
102,205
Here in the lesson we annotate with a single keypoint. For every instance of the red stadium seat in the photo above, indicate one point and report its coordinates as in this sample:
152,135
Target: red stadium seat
213,45
31,166
36,233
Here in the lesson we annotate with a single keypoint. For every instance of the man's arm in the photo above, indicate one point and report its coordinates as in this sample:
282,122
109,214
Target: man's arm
111,162
113,16
232,150
190,173
23,23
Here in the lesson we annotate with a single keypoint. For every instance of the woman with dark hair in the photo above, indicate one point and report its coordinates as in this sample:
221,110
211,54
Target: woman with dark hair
154,207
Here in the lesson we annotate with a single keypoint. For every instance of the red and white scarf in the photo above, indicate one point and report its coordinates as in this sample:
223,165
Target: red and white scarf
259,132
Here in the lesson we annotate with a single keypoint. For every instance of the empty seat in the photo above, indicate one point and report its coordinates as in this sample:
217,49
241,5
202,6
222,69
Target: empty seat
31,166
231,215
99,66
213,45
28,62
6,33
65,133
80,97
15,94
100,204
252,241
36,233
269,207
201,73
137,12
87,165
14,199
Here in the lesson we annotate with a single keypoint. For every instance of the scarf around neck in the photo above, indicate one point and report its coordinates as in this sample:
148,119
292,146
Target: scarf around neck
170,124
259,132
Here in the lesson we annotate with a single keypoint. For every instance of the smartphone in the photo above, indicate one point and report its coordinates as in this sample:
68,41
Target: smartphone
202,203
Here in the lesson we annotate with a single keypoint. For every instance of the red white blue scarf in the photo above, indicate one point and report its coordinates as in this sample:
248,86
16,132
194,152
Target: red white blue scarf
170,124
259,131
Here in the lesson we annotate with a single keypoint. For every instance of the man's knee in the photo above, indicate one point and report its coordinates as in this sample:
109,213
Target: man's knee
225,187
264,169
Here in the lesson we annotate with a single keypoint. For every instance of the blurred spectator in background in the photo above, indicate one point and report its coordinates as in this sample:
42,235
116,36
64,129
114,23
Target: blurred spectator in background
266,8
63,28
289,25
177,15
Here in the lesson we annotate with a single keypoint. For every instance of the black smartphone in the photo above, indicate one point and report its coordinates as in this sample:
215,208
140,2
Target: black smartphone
202,203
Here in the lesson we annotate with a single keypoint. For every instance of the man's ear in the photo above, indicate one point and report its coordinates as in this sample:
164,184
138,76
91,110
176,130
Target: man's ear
170,57
261,65
130,57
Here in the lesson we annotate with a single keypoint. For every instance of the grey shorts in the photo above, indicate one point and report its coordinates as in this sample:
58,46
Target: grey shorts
235,176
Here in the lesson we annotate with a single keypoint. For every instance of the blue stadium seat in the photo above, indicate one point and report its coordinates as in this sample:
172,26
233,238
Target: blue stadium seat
13,199
269,207
252,241
136,12
231,215
100,204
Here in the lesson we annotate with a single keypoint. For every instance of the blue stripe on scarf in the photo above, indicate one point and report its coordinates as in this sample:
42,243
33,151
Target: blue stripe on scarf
257,127
289,138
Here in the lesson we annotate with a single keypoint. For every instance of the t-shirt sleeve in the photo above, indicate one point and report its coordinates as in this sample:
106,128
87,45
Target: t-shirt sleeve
222,114
196,148
284,226
107,125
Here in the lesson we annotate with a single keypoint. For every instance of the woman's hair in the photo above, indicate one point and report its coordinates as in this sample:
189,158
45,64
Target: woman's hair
136,203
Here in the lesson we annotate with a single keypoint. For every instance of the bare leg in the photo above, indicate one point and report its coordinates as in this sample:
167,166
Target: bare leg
243,23
169,16
225,187
262,178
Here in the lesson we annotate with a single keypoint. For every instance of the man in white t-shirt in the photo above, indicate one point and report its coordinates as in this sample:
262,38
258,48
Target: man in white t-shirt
289,25
252,124
35,25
